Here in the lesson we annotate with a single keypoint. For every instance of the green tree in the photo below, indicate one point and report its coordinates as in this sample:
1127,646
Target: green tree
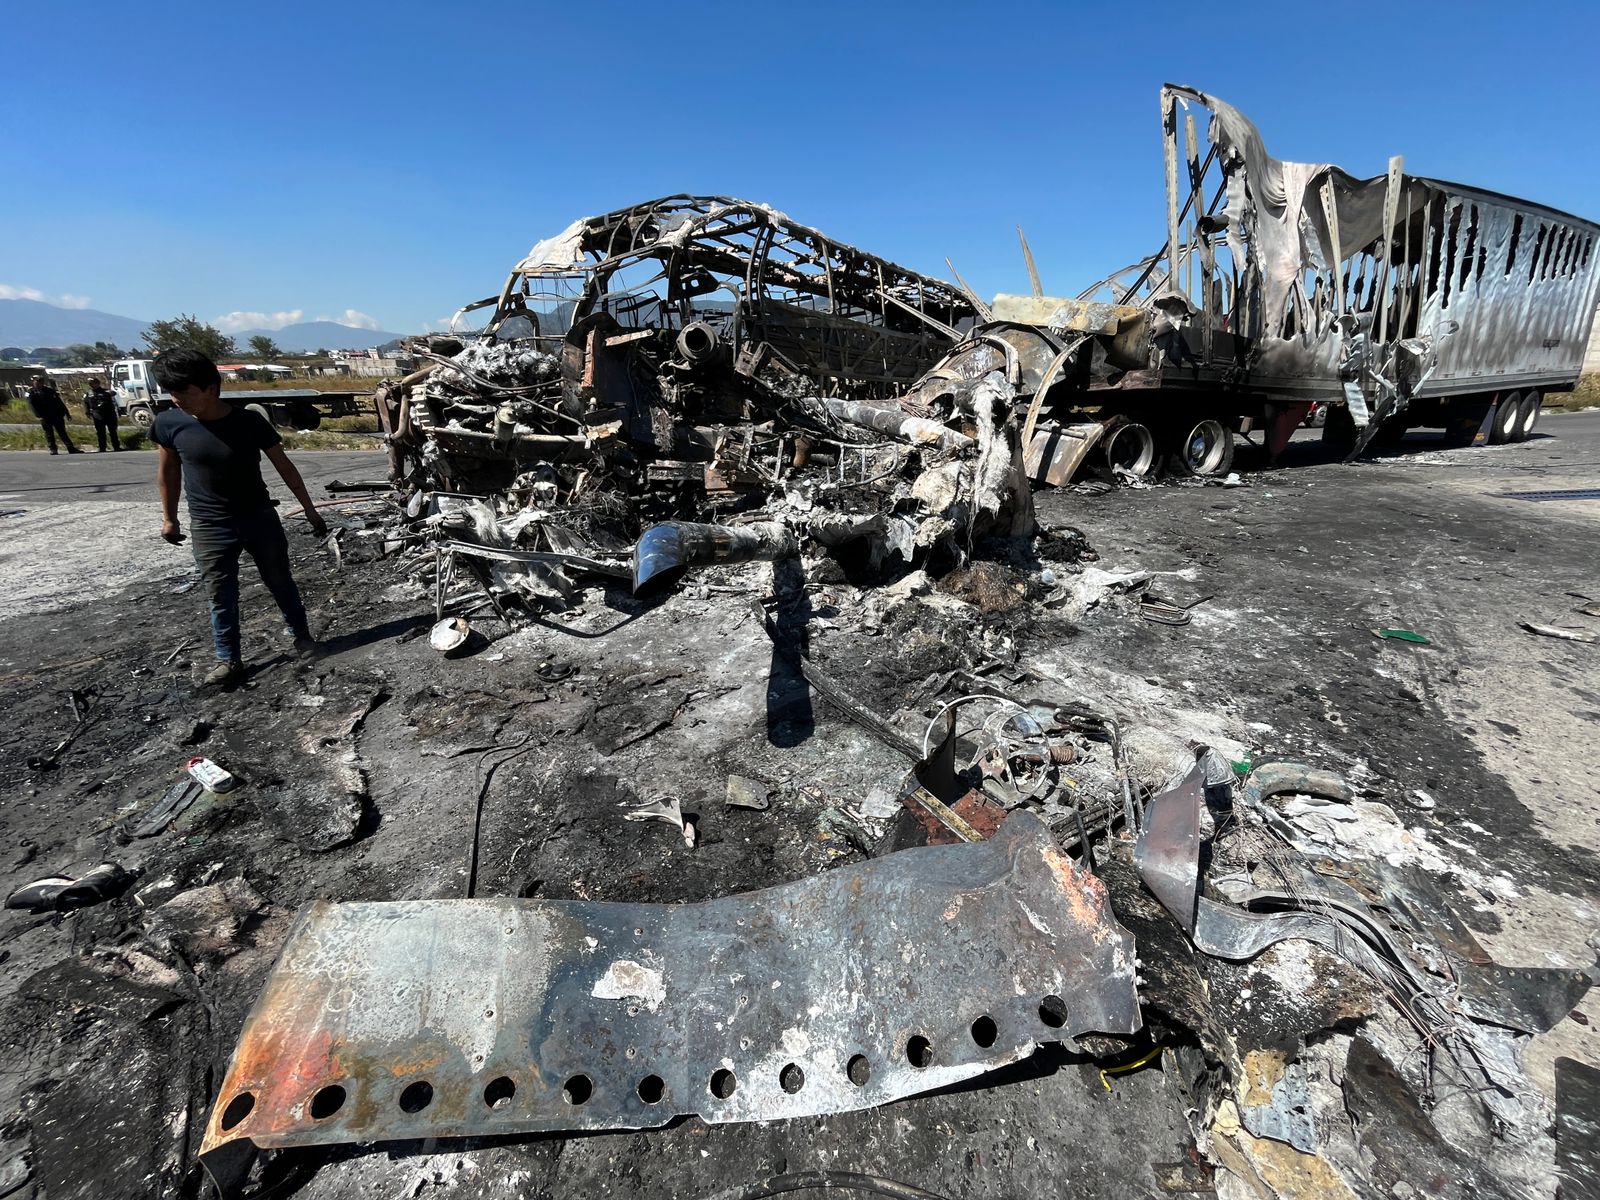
185,331
264,347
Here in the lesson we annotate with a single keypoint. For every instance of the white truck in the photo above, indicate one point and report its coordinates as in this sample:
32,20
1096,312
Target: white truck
139,398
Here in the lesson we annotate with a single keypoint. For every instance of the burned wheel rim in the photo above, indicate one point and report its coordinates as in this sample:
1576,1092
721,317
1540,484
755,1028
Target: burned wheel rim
1205,450
1130,448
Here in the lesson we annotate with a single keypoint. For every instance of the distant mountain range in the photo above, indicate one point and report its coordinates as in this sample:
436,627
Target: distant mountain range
30,323
33,323
317,335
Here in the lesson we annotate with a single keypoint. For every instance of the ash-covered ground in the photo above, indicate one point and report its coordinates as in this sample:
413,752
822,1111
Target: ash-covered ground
361,774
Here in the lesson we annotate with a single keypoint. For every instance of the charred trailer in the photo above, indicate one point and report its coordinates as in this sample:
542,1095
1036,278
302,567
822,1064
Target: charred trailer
1397,301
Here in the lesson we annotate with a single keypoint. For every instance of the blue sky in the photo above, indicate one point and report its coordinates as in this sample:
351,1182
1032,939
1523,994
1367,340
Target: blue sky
389,162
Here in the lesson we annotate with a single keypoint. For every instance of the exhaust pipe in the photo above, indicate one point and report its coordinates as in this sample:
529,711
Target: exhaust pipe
664,553
697,342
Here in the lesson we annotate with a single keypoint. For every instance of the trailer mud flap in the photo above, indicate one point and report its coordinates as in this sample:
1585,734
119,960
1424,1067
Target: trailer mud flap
1055,452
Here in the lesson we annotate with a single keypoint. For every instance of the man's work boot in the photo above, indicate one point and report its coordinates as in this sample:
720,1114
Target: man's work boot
306,647
228,671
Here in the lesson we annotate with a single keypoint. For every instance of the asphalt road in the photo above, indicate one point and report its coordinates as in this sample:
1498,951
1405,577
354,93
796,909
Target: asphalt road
130,475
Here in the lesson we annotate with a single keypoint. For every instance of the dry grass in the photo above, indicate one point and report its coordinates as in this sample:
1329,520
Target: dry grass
366,422
1585,395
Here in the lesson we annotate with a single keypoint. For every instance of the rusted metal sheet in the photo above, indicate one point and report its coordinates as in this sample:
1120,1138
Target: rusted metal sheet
454,1018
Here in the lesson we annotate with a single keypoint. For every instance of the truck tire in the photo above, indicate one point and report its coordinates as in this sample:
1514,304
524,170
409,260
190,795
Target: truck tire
1506,419
1532,404
304,416
1206,449
142,416
260,411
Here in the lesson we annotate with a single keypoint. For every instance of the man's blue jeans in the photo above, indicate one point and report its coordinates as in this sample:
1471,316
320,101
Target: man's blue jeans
217,545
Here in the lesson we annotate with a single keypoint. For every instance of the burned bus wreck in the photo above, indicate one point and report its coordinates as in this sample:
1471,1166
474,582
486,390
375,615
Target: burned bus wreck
1398,301
688,361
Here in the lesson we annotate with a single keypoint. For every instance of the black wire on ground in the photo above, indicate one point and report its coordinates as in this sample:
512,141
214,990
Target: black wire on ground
809,1181
484,780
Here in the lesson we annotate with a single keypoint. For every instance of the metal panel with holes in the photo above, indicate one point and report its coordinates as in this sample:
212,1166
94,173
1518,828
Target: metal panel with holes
449,1018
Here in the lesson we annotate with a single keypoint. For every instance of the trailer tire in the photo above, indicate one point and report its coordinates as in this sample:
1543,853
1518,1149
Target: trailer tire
1205,450
260,411
1130,446
1532,404
1506,419
304,416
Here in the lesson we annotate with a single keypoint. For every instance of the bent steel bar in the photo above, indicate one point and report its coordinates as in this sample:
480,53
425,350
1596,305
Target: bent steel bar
453,1018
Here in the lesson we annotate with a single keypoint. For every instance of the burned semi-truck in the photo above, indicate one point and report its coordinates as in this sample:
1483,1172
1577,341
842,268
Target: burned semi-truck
1397,301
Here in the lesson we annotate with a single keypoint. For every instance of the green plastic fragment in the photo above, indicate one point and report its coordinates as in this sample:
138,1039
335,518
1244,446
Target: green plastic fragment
1402,635
1241,768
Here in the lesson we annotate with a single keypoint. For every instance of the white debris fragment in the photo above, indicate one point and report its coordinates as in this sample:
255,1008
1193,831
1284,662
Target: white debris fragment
628,980
667,809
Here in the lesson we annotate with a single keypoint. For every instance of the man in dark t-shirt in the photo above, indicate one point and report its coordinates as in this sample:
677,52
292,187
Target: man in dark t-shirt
212,450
